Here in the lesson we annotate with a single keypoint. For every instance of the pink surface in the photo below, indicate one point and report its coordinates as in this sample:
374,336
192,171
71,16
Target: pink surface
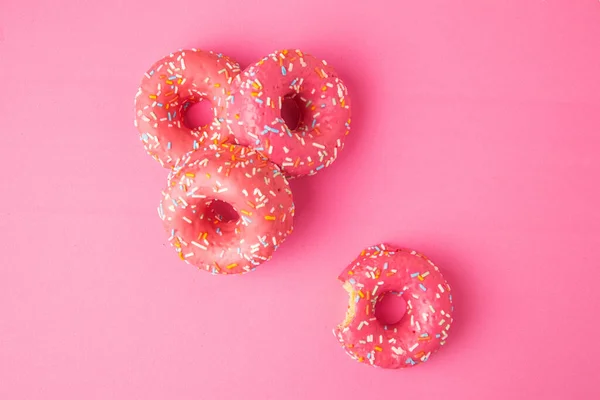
475,140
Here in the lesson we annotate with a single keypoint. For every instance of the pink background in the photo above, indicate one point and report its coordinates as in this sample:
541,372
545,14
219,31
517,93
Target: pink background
476,141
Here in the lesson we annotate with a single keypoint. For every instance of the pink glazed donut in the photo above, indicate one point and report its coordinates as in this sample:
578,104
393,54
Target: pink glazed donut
226,209
255,111
424,327
169,88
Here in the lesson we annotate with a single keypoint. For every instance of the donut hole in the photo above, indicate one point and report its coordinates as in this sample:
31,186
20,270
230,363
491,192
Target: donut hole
390,308
221,212
197,114
291,111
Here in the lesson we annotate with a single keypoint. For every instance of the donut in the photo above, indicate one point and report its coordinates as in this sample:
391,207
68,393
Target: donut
423,329
255,111
166,92
226,209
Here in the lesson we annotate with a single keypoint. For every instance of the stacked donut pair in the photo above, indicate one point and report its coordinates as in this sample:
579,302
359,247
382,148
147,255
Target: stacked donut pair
228,206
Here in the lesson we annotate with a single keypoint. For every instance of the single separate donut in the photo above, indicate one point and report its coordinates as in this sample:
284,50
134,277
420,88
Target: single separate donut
424,327
255,111
226,209
169,88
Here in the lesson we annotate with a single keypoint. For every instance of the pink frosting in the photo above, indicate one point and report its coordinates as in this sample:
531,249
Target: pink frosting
255,111
256,190
169,88
424,327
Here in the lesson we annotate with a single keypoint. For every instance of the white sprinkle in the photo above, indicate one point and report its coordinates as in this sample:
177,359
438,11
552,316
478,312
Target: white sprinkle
199,245
414,346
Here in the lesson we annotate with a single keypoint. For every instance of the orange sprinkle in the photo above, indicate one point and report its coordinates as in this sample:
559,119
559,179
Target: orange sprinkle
152,96
324,88
318,71
361,294
230,266
251,204
378,348
181,255
169,82
190,174
270,217
248,213
217,85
